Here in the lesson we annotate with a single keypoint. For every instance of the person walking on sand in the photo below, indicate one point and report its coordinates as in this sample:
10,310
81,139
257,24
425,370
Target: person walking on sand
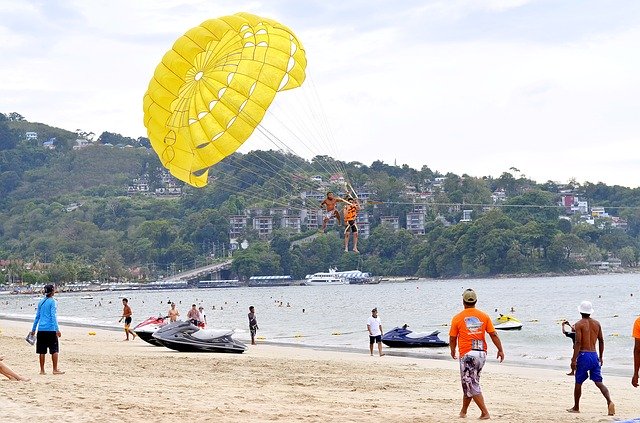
636,352
46,322
571,334
586,361
126,315
374,326
10,374
468,329
173,313
253,324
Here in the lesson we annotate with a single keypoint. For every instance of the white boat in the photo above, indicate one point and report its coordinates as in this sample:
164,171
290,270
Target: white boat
332,277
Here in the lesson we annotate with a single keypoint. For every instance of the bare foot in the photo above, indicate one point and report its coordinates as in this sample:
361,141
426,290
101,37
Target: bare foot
484,417
573,410
134,337
462,415
58,372
42,372
571,374
382,354
124,340
612,409
356,251
24,379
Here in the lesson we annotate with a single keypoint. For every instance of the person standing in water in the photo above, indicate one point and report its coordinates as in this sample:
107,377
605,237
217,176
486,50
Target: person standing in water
253,324
173,313
586,361
46,321
126,315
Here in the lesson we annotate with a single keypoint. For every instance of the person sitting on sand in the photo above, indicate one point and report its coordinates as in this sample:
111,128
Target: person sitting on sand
571,333
10,374
586,361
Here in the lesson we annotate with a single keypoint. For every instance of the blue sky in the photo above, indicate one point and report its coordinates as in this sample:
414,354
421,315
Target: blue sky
474,86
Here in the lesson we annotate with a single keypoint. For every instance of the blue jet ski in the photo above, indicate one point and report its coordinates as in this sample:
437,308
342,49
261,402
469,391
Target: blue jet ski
404,338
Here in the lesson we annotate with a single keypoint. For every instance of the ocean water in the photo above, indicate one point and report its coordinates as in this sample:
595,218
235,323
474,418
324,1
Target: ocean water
335,316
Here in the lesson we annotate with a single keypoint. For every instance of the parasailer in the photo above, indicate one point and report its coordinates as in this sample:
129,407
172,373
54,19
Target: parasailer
212,89
351,209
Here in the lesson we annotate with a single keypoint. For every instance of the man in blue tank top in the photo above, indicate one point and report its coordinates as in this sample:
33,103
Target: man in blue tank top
46,322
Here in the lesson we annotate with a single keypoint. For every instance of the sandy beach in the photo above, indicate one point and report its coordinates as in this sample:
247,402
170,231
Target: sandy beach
110,380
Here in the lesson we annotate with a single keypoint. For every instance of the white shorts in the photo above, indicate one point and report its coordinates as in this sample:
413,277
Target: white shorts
329,214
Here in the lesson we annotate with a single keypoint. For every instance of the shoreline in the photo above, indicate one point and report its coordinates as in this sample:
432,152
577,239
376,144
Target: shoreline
386,279
409,353
110,380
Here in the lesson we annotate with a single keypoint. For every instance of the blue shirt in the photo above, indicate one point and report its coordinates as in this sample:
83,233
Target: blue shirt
46,318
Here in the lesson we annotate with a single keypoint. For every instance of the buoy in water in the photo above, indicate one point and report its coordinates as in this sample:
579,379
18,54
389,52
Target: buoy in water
298,335
92,333
262,338
336,333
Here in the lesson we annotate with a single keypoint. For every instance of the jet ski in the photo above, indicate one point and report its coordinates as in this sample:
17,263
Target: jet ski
146,328
507,322
404,338
186,337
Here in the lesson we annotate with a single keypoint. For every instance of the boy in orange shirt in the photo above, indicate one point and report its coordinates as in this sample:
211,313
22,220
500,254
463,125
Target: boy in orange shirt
468,329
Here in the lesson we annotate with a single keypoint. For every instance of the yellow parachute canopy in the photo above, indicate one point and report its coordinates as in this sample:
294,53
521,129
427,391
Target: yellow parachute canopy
213,87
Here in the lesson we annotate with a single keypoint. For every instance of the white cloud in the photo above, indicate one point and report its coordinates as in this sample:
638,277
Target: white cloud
424,84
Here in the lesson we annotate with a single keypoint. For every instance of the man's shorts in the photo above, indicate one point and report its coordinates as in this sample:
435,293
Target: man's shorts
588,365
470,367
47,340
329,214
127,322
351,224
375,339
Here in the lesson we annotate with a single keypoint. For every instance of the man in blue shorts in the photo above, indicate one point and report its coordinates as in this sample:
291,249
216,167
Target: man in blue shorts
586,361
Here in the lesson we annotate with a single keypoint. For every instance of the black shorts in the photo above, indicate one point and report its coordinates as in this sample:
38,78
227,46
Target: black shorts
351,224
375,339
47,340
127,321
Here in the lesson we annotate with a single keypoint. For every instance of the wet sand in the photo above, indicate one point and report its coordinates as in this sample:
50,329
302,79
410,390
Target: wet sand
110,380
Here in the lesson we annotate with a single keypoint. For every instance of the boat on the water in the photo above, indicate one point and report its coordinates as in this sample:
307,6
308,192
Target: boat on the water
185,337
146,328
270,281
226,283
401,337
507,322
333,277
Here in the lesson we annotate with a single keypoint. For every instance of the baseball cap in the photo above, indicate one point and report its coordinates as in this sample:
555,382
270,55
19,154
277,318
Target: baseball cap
585,307
469,296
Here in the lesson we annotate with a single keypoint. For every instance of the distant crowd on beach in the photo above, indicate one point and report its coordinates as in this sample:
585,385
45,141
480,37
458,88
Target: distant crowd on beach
467,342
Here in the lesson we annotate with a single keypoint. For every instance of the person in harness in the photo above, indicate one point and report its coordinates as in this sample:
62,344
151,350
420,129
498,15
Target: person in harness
350,210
